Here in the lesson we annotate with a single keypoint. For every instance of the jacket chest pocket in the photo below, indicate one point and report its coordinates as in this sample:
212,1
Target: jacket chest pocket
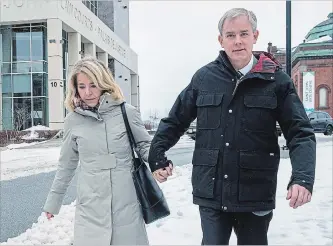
209,110
259,112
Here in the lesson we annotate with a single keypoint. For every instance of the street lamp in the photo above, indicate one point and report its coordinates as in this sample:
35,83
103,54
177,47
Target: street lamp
288,37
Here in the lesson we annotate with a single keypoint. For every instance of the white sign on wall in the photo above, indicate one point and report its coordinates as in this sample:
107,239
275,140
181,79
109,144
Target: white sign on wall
309,91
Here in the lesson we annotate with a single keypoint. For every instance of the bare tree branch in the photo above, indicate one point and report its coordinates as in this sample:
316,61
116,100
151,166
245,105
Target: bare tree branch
21,116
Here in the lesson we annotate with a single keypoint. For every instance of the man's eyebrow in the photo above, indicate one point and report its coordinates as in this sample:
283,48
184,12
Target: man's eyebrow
244,30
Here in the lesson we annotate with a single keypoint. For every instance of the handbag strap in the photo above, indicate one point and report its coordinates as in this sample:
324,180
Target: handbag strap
129,131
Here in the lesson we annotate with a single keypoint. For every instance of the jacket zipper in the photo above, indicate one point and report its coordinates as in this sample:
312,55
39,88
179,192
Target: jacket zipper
106,133
237,84
106,137
107,147
232,70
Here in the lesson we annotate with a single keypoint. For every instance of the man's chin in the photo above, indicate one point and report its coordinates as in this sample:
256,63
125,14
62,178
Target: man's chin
241,56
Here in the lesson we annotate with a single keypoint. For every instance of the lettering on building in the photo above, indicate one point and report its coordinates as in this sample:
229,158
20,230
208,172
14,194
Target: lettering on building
77,14
111,42
84,20
18,3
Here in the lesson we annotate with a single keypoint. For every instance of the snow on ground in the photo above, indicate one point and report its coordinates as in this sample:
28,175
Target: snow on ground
32,136
307,225
16,162
24,162
38,128
17,146
322,138
184,142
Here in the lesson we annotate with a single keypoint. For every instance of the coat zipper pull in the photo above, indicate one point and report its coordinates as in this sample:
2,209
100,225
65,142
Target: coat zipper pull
237,83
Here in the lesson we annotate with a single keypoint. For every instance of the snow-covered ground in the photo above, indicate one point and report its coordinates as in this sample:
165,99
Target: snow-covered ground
37,128
24,162
16,162
31,134
307,225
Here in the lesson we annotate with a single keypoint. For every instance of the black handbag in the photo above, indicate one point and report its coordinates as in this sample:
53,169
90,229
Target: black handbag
153,203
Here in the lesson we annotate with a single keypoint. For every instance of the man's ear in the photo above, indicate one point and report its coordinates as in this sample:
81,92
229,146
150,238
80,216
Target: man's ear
256,35
220,39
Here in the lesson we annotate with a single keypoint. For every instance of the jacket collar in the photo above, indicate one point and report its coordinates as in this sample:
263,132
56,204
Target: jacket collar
106,104
266,63
249,66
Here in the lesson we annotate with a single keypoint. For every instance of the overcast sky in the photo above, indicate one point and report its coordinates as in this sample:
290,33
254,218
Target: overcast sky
173,39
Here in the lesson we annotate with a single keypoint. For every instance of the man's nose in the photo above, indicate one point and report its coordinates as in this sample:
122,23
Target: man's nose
238,39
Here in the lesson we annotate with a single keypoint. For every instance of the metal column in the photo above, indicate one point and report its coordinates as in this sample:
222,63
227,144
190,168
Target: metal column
288,37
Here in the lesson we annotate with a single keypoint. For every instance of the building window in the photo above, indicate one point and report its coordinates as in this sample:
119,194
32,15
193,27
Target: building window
7,113
38,47
39,84
22,113
6,34
21,44
39,113
92,6
21,85
7,89
23,58
323,97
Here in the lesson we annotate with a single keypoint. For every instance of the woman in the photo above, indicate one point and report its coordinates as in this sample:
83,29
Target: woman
107,210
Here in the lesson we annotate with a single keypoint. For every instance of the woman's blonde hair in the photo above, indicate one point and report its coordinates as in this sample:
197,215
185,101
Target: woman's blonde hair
98,73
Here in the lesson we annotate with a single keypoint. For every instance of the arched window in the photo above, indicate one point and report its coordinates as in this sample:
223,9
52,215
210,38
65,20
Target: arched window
323,96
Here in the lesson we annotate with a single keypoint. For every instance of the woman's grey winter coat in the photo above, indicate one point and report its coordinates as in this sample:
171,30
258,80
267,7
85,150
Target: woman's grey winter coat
107,210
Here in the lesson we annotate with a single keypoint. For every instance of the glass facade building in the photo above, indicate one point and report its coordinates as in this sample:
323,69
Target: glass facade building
40,42
23,56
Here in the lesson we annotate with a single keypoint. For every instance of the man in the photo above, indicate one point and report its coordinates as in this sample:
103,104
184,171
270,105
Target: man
237,100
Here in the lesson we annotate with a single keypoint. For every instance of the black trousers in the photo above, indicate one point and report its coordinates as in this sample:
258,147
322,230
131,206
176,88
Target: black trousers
250,229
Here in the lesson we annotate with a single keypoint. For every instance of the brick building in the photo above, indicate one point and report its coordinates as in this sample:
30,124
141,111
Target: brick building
279,54
312,66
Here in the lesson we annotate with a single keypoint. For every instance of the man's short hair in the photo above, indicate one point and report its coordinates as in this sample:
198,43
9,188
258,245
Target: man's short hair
235,12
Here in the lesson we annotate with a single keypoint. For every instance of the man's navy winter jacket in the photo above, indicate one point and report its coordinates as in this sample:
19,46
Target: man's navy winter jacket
236,156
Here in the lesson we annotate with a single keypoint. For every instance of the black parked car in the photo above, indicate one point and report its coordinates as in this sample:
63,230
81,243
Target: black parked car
321,122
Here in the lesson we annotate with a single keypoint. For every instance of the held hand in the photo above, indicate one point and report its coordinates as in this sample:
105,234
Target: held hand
49,215
162,174
298,196
169,168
